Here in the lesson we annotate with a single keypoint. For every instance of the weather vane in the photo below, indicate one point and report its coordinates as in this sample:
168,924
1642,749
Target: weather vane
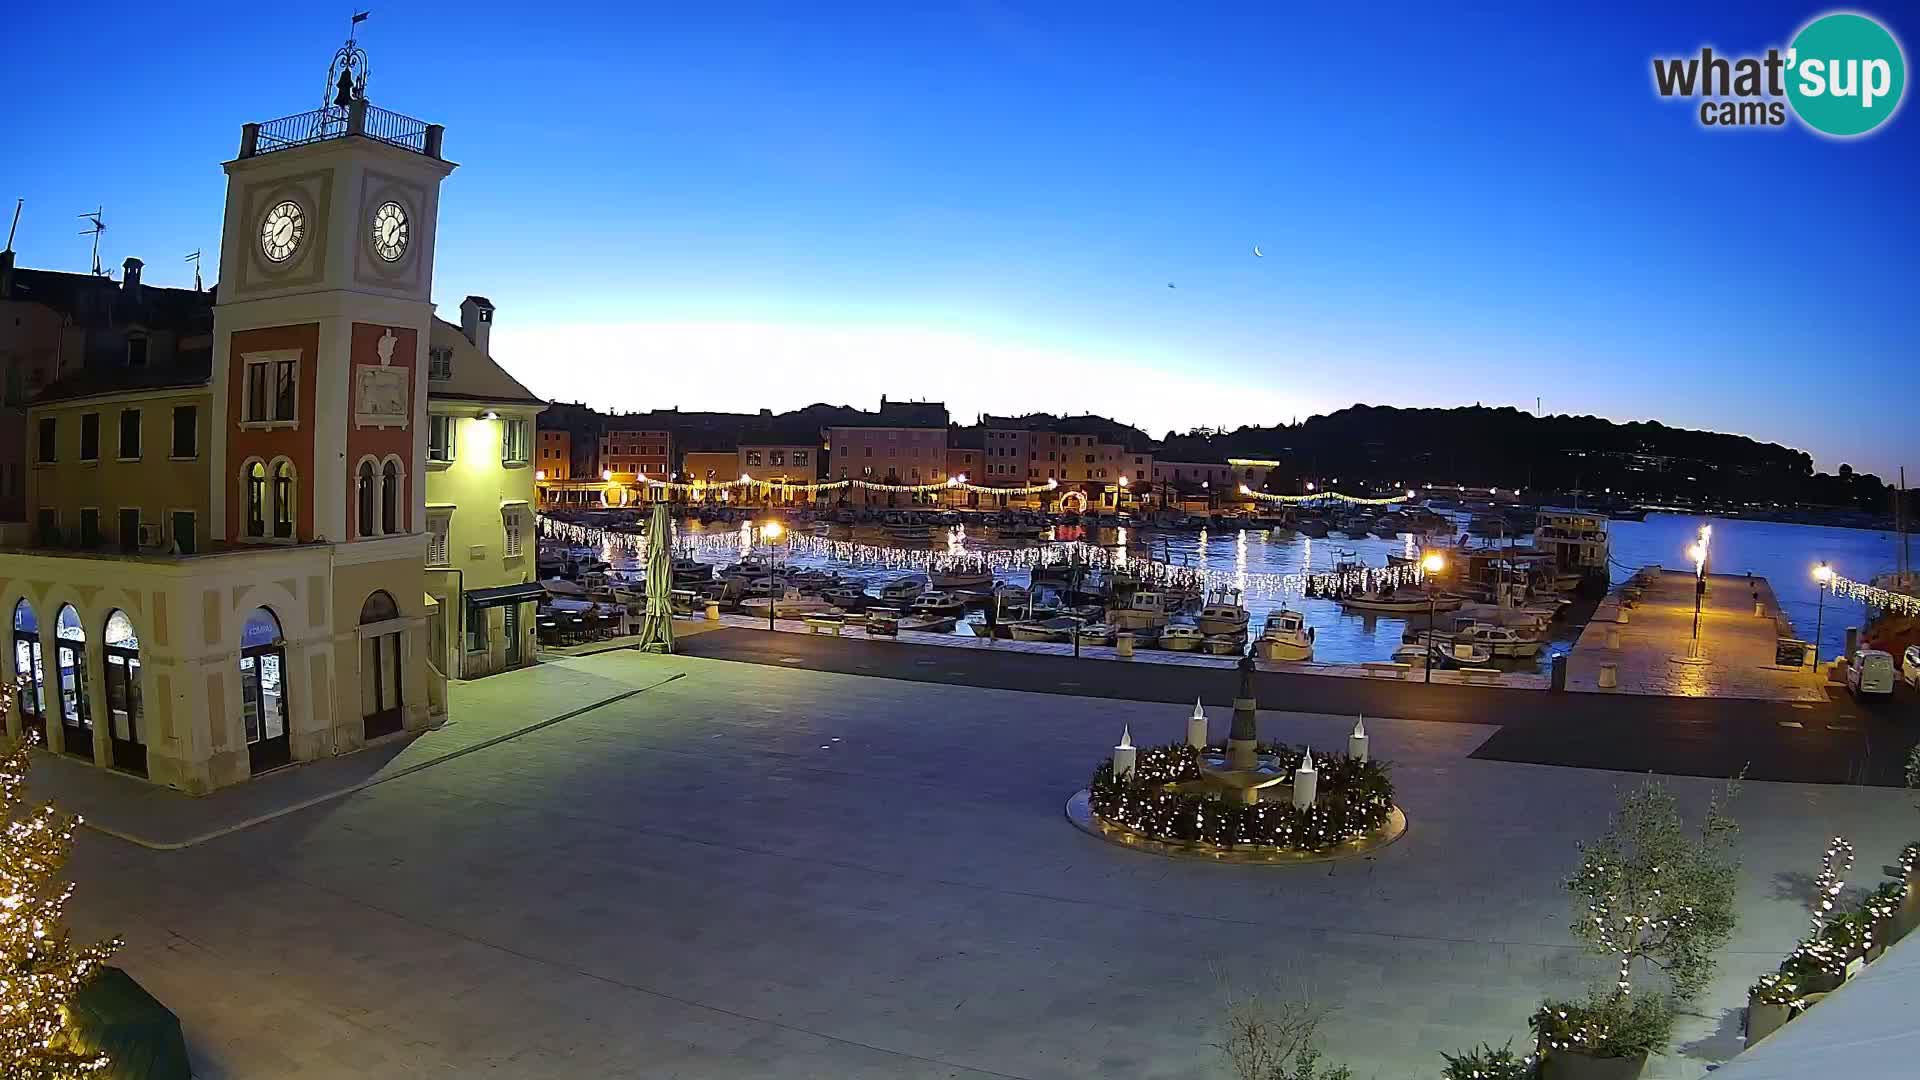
347,74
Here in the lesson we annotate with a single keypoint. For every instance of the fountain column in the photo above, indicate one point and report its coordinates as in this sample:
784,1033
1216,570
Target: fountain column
1245,735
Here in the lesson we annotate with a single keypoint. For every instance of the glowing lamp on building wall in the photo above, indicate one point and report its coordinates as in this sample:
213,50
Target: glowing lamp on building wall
745,479
1245,490
1309,485
489,415
1409,493
1052,483
606,474
539,474
1124,482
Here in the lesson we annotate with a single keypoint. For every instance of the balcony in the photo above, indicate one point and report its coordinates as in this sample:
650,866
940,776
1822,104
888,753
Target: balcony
339,122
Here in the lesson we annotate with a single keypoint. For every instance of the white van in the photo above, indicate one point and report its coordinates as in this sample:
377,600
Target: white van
1910,666
1870,672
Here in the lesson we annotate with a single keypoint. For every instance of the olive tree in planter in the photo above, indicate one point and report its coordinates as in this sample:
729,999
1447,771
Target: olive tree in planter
1485,1063
1648,894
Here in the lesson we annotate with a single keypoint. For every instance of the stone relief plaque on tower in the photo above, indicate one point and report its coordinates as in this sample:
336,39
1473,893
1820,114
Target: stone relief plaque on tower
381,393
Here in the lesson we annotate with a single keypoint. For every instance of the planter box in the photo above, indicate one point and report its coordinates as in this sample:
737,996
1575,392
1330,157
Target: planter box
1764,1020
1908,916
1571,1065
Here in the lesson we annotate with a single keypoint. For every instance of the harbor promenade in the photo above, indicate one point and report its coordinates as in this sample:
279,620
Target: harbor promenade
1650,651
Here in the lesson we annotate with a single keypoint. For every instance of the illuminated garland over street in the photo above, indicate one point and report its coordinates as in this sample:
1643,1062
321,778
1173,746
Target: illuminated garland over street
1323,496
1355,798
745,481
1875,596
721,547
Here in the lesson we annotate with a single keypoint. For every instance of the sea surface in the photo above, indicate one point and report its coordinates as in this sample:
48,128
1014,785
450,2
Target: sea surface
1269,568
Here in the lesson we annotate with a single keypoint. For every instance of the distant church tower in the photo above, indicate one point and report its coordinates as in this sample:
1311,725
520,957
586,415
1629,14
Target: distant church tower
320,332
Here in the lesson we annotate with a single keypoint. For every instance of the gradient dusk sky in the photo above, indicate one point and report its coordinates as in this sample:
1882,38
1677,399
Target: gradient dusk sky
736,206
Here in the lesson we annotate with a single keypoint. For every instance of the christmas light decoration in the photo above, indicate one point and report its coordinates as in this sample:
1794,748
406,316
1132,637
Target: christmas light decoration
40,968
1874,596
956,483
1323,497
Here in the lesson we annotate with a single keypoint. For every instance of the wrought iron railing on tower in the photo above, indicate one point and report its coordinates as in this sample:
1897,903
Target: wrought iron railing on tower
337,122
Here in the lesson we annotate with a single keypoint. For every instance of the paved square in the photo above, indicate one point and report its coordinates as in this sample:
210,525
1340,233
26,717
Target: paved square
769,871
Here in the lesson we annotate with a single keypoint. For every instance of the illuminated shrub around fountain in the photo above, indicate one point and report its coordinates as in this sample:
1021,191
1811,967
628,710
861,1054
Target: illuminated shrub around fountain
1158,800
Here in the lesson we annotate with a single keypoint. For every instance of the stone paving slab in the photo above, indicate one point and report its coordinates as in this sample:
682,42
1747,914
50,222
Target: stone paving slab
767,871
1737,644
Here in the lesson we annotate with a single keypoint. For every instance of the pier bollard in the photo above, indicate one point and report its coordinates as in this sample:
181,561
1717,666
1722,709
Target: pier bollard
1609,676
1613,637
713,611
1123,645
1621,615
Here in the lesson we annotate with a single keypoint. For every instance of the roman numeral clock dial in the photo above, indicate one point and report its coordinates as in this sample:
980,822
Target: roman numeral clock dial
282,230
390,231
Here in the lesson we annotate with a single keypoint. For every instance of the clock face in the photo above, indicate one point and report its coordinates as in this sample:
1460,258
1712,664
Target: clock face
282,230
390,231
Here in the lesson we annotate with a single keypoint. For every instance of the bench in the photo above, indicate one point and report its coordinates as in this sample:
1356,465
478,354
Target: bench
1480,674
816,624
1387,668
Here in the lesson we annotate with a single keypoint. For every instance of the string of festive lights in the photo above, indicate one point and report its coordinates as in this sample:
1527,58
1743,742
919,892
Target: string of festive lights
730,545
1324,496
1875,596
954,483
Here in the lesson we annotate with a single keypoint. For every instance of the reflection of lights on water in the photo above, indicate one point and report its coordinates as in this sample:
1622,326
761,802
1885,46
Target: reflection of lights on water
1240,561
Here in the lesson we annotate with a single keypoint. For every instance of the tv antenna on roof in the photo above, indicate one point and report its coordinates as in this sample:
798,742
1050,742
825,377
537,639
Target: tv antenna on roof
99,226
195,260
17,204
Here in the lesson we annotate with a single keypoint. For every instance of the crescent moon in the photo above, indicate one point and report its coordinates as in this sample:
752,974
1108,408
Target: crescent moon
1256,252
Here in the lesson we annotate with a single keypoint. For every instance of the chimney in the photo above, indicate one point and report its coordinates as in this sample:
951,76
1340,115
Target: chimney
130,275
476,321
6,273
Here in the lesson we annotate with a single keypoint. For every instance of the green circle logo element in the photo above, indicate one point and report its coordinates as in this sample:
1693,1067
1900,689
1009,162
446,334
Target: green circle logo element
1846,74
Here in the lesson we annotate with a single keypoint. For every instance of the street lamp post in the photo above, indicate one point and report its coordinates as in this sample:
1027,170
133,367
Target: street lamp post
1824,575
1432,562
1697,551
770,531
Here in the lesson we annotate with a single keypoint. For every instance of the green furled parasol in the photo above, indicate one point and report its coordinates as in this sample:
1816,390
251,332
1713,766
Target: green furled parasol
656,633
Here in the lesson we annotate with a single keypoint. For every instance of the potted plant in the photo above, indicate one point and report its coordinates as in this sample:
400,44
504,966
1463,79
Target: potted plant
1771,1000
1909,915
1881,910
1605,1037
1485,1063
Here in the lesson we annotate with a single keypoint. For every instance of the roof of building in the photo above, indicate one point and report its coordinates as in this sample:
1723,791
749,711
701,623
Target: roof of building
475,376
193,368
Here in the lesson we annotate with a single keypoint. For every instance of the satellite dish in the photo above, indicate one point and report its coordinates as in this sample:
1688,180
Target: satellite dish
1256,252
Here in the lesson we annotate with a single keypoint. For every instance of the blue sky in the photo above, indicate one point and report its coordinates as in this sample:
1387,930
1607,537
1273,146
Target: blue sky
985,204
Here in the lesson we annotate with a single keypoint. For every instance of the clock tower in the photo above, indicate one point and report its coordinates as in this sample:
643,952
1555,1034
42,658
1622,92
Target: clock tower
322,321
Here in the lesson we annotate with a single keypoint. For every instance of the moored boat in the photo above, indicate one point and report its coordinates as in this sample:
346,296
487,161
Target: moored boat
1058,628
979,578
1404,602
1181,635
901,590
936,604
1286,636
939,624
1223,613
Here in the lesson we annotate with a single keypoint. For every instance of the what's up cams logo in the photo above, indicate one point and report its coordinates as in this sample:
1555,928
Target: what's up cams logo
1843,75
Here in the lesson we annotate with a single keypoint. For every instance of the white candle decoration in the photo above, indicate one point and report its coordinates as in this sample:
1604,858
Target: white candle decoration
1123,755
1197,727
1357,742
1305,782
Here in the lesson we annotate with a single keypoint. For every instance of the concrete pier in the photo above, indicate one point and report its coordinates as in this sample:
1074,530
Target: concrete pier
1740,624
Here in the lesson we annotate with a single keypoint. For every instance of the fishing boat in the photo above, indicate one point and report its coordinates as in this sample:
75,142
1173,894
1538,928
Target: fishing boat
937,624
1058,628
1223,614
790,605
691,570
933,604
1225,644
1144,608
1181,635
846,597
1286,636
976,578
904,527
1502,640
1095,634
1314,527
1447,655
901,590
1403,602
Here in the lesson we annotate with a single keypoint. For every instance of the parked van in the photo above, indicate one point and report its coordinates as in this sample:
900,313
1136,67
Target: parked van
1910,666
1870,672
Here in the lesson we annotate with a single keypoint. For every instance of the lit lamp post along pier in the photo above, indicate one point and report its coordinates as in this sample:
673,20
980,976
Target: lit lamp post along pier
1823,574
769,532
1697,551
1432,563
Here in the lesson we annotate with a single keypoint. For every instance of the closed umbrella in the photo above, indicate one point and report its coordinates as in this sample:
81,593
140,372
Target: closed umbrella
656,632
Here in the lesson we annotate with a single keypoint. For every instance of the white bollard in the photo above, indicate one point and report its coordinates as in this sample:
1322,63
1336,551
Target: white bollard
713,611
1123,644
1357,742
1197,727
1305,782
1621,615
1123,755
1609,676
1613,637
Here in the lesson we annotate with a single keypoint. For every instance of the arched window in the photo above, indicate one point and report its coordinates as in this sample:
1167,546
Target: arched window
378,608
122,669
27,667
390,520
369,499
70,660
283,499
256,499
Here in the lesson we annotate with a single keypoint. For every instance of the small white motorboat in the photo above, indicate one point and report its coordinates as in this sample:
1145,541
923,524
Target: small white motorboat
1286,636
936,604
943,624
1225,644
1058,628
1223,614
1095,634
1181,636
901,590
1502,641
1447,655
791,605
979,578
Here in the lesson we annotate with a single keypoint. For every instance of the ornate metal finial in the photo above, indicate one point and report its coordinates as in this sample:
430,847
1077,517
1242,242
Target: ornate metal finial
347,74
